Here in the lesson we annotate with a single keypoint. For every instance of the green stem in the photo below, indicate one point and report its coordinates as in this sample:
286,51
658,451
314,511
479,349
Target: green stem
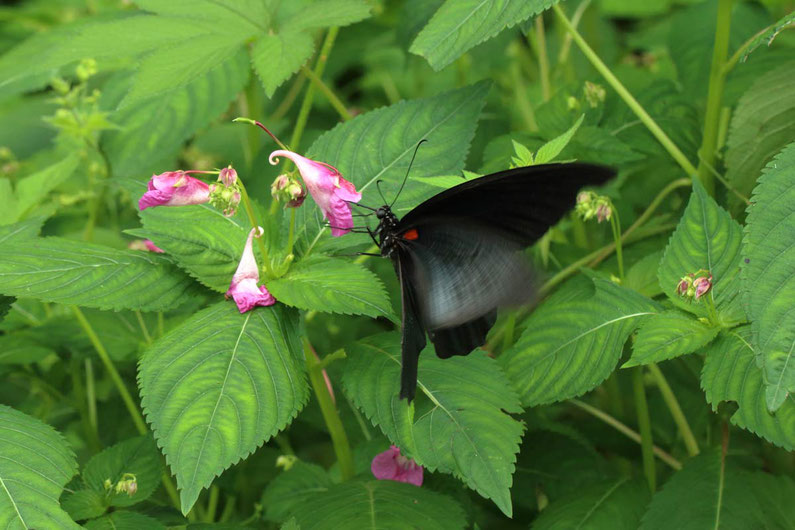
626,431
644,426
522,101
633,104
717,80
289,99
335,101
615,223
144,329
266,264
675,409
332,418
212,504
543,59
91,397
563,55
161,324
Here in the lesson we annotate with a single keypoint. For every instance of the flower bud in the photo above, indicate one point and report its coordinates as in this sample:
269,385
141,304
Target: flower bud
228,176
702,286
694,285
594,94
285,188
86,69
225,195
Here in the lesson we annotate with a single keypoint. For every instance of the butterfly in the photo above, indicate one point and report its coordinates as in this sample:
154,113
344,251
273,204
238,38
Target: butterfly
457,255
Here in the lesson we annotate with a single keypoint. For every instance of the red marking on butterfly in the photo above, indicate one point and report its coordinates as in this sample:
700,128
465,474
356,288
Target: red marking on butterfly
411,234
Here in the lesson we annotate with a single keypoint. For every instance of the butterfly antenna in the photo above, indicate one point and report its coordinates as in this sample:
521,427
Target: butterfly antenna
407,171
381,193
360,205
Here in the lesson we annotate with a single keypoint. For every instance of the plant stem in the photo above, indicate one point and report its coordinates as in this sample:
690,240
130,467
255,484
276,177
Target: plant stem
161,325
675,409
289,99
615,223
91,397
563,55
633,104
717,79
335,101
644,426
212,504
332,418
626,431
266,264
242,119
144,330
543,59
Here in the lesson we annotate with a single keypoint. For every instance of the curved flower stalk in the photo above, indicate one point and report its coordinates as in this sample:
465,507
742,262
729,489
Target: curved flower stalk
391,465
244,289
328,189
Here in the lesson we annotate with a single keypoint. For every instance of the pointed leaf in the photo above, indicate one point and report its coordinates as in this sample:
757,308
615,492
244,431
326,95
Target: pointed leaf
218,386
276,57
31,190
464,413
326,13
668,335
72,272
243,16
768,279
547,152
16,348
84,504
27,229
123,520
35,464
767,36
569,348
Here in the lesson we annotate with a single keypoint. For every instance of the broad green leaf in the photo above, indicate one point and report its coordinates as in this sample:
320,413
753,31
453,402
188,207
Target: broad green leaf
769,35
642,276
31,190
73,272
332,286
668,335
550,150
84,504
35,464
379,144
569,348
615,505
462,406
326,13
245,17
276,57
703,495
124,520
27,229
290,491
762,124
138,456
5,305
462,24
218,386
731,374
155,129
379,505
16,348
768,280
706,238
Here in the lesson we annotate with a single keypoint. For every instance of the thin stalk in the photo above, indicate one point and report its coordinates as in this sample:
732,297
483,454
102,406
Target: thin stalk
626,431
266,264
212,504
241,119
717,80
229,509
543,58
91,397
631,102
161,324
563,55
676,411
144,330
522,101
724,448
81,404
737,55
615,224
289,99
644,425
335,101
339,438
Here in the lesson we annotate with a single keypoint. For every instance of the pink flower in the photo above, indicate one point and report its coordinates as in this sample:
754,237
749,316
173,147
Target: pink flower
702,285
684,284
228,176
151,247
244,289
144,244
174,188
329,190
391,465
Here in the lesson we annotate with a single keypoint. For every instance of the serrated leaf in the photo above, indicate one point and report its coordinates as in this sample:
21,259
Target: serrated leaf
705,238
762,124
155,129
379,144
83,504
31,190
73,272
290,491
276,57
326,13
768,36
244,16
16,348
461,428
35,464
27,229
124,520
332,285
379,505
547,152
462,24
668,335
138,456
215,388
642,275
615,505
731,374
768,280
569,348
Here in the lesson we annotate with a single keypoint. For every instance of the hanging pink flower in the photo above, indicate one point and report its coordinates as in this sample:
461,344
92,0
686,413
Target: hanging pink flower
391,465
244,289
329,190
174,188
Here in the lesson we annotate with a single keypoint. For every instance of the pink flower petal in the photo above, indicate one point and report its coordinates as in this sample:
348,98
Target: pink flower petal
391,465
174,188
151,247
244,289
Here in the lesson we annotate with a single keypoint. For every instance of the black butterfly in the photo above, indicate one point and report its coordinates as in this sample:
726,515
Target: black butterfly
456,254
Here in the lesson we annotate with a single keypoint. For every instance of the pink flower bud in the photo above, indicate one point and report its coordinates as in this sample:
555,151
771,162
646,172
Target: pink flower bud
391,465
228,176
702,286
174,188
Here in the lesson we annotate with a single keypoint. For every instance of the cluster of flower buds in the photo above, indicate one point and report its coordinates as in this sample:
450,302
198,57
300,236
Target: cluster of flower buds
594,94
695,285
590,205
288,189
128,484
225,194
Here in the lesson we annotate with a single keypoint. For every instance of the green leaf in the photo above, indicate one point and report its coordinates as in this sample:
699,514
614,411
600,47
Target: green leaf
705,238
465,412
379,144
642,275
615,505
379,505
245,17
569,348
668,335
768,281
762,124
276,57
462,24
27,229
731,374
84,504
138,456
769,35
218,386
332,285
31,190
290,491
155,129
550,150
16,348
123,520
73,272
326,13
35,464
